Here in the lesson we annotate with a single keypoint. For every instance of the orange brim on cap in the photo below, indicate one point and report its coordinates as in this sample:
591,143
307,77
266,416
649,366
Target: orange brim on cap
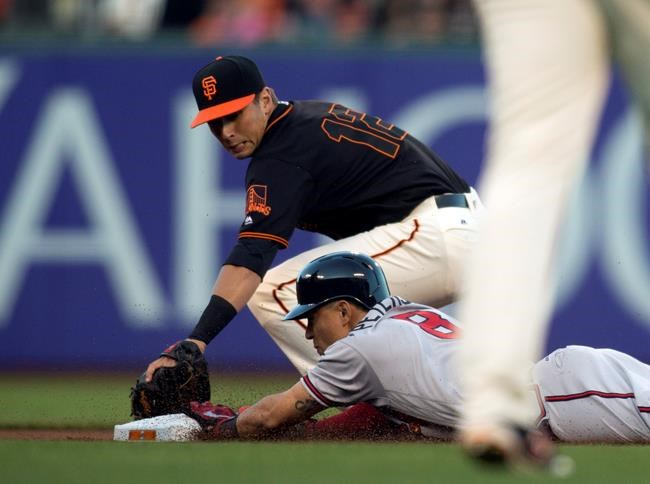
220,110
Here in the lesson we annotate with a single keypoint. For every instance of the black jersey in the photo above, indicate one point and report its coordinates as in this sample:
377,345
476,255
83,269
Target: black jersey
325,168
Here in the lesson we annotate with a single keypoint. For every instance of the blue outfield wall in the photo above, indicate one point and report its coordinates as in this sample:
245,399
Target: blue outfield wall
115,215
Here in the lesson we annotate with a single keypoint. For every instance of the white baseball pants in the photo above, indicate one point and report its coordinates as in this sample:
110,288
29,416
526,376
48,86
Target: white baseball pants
422,257
594,395
548,68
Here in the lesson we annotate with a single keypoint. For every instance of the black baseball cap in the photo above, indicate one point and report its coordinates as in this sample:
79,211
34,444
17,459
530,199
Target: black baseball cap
226,85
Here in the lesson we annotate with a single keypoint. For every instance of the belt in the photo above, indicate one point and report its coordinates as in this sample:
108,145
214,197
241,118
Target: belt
451,200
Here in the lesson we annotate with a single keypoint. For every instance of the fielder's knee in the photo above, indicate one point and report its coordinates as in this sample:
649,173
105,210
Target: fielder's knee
266,305
258,304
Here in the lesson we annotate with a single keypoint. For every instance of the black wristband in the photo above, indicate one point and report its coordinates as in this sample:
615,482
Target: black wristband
215,317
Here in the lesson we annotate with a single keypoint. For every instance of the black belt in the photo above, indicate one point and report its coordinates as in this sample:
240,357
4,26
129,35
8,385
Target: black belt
451,200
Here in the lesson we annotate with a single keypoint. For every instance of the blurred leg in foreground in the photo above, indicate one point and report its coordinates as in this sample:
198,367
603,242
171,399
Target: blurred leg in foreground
548,65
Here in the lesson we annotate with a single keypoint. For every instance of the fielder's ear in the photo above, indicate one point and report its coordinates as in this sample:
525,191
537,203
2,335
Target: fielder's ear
266,101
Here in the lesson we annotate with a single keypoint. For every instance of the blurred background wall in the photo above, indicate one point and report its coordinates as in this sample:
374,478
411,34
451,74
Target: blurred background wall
115,216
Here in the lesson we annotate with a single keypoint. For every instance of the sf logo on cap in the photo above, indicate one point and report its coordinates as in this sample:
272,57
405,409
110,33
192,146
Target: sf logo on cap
209,85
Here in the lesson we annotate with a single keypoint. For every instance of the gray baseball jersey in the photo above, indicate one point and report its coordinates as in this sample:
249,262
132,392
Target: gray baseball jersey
399,359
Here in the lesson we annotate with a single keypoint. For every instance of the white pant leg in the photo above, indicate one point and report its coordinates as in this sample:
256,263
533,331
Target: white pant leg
595,395
422,257
548,70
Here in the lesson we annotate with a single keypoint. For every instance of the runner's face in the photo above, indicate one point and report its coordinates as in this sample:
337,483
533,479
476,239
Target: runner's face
241,133
326,325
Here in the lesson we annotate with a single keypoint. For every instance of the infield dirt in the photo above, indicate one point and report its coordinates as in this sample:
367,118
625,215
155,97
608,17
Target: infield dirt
56,434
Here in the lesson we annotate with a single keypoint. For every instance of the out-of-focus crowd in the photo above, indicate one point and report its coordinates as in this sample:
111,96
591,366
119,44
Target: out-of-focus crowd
248,22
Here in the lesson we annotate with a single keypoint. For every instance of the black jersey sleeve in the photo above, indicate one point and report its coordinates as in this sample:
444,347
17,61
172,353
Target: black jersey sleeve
277,194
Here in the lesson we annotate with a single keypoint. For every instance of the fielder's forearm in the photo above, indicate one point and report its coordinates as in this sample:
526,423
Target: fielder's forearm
232,290
236,284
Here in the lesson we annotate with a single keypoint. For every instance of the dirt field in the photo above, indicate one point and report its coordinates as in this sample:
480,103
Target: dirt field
56,434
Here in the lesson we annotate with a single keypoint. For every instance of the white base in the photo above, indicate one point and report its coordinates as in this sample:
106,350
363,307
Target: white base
175,427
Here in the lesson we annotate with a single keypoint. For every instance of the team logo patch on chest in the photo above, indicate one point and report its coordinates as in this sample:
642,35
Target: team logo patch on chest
256,200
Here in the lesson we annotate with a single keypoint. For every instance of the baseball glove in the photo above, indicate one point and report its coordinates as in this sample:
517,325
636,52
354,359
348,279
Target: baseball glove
173,388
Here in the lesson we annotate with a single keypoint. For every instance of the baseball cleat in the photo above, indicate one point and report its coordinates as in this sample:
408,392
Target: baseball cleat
514,447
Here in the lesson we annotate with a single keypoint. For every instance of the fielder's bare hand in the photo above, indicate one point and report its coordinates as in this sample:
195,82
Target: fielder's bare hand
167,361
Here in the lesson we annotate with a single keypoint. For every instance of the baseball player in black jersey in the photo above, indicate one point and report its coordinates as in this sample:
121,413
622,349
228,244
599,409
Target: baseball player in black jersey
323,167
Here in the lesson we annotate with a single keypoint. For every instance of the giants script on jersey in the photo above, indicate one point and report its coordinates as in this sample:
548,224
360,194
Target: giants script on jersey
256,200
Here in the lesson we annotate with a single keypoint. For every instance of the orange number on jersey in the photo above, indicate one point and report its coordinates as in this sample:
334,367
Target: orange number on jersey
353,127
431,323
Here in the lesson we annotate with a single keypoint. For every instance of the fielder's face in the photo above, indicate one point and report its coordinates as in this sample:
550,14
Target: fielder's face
327,325
241,133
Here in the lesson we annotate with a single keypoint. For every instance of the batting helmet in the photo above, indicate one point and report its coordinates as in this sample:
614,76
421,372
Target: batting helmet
340,275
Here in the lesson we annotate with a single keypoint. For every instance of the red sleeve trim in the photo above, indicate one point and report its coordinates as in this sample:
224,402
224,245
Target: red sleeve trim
588,393
259,235
322,399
